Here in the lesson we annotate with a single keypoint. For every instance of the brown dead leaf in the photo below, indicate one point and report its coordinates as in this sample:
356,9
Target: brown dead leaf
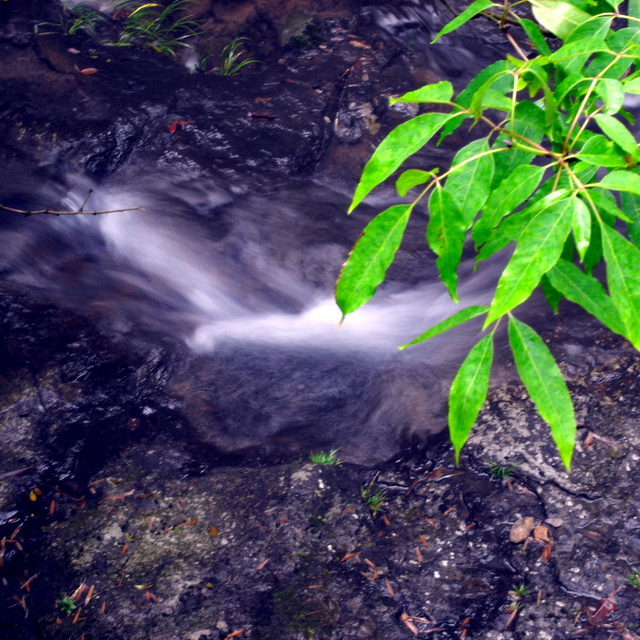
392,593
546,552
419,555
541,533
423,540
213,531
262,565
234,634
350,555
87,71
359,44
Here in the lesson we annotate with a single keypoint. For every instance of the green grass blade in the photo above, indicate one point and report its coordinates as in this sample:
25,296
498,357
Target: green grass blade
401,143
370,258
469,391
544,383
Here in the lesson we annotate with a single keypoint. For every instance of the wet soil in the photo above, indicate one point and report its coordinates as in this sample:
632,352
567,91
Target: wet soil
118,522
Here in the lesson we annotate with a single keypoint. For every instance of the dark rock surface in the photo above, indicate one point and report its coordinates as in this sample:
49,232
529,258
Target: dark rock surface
112,506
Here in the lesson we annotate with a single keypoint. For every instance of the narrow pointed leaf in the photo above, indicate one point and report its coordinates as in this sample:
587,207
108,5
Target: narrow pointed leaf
581,227
469,391
552,295
509,194
612,93
446,235
623,278
577,286
602,152
539,248
544,383
412,178
622,181
535,35
401,143
631,207
370,258
471,183
615,130
452,321
561,18
471,11
439,92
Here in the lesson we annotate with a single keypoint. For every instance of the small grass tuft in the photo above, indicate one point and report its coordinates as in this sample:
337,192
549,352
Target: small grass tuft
520,591
67,605
72,20
326,457
230,62
374,500
499,472
634,579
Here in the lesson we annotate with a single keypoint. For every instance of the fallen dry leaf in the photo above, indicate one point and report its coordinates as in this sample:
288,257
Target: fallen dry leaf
541,533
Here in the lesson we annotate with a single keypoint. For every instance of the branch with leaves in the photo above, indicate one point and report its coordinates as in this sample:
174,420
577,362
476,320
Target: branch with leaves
557,171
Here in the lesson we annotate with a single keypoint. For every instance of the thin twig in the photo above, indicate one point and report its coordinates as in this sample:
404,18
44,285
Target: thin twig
89,192
68,213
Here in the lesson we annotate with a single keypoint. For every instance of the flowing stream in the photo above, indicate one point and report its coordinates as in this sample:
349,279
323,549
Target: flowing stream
242,278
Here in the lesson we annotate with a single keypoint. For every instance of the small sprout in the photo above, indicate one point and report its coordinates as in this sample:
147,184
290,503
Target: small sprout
67,605
230,58
374,501
520,591
634,579
326,457
498,472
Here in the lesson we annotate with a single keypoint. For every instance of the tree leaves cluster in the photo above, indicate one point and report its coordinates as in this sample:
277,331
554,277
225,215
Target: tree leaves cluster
558,174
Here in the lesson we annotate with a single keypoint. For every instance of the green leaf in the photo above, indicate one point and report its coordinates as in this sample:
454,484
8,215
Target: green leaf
545,385
631,207
469,391
596,26
615,130
471,182
455,320
539,248
612,93
535,35
370,258
587,292
412,178
633,86
566,87
621,181
584,47
602,152
623,278
581,227
471,11
441,92
510,193
446,235
561,18
552,295
476,103
529,123
606,203
401,143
